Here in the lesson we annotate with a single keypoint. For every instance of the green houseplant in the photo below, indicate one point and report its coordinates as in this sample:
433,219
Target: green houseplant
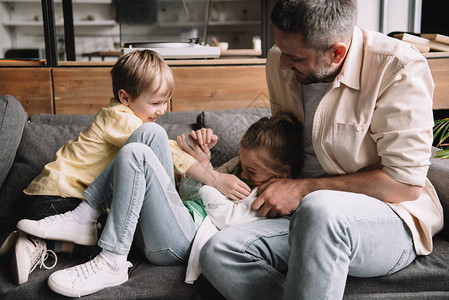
440,135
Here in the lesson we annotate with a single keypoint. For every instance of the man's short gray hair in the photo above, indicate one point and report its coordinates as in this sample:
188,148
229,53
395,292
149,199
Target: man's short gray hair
320,22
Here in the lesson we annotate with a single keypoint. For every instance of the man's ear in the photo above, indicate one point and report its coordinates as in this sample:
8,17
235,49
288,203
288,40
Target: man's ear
338,52
123,97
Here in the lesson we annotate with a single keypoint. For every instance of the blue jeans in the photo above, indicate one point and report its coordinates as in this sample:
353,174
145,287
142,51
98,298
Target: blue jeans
138,188
330,236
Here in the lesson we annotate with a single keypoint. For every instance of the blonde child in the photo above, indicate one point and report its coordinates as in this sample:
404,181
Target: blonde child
270,148
142,86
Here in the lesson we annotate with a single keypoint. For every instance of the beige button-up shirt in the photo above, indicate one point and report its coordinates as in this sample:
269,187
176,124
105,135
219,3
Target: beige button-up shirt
377,110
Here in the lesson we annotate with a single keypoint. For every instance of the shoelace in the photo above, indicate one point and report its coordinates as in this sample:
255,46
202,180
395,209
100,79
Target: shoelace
55,217
40,256
88,269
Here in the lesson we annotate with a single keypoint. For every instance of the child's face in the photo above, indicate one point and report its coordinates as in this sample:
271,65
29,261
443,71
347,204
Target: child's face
252,170
148,106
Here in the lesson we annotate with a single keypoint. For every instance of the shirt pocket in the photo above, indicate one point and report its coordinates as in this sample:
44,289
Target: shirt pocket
349,129
352,146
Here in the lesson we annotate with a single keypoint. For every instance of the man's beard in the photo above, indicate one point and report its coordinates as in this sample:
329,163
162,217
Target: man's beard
322,73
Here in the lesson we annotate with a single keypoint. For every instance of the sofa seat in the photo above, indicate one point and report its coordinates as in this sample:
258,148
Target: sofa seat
29,143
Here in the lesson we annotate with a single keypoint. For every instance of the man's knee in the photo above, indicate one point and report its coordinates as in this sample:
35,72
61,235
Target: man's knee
319,203
319,209
212,250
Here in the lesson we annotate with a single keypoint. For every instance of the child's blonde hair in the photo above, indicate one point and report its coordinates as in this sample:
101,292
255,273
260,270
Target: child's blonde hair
136,71
280,137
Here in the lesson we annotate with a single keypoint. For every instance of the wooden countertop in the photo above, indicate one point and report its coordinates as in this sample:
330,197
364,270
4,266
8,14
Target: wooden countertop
230,57
170,62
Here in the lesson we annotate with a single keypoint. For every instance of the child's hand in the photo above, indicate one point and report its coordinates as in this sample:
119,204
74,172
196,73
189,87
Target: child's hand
201,141
205,137
231,186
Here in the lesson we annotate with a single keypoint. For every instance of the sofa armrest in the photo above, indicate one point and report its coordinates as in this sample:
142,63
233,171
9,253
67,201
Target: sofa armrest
12,121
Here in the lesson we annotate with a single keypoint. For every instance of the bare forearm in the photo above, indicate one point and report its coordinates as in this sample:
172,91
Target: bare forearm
204,173
374,183
230,185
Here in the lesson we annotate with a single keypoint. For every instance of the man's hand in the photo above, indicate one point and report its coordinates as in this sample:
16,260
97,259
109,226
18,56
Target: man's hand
282,196
278,197
201,141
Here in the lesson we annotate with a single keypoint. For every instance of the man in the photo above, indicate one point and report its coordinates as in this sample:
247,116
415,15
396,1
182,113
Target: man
364,206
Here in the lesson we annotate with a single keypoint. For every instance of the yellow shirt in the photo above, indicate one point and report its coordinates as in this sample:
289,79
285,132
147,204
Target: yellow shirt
77,163
377,110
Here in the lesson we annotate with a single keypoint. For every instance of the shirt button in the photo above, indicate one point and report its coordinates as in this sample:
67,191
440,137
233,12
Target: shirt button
359,128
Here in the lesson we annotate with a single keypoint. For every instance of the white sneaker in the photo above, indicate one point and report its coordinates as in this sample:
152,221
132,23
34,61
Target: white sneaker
86,278
30,252
62,227
9,243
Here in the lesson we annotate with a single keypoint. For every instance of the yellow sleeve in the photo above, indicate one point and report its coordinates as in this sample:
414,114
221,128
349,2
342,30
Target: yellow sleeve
182,161
119,125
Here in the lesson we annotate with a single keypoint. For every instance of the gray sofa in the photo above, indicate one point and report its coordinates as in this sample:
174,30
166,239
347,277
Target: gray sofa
27,144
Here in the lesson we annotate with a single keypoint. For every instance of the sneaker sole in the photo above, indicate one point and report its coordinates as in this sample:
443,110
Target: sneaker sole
86,240
17,265
70,293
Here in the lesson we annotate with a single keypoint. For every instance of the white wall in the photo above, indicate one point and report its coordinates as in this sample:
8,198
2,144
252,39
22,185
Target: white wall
390,15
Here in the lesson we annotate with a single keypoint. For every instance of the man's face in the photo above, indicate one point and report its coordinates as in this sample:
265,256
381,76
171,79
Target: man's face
309,65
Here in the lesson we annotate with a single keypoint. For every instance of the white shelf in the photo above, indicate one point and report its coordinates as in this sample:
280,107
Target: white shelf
75,23
233,23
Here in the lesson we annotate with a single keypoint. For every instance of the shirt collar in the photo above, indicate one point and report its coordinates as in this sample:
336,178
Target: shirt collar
351,70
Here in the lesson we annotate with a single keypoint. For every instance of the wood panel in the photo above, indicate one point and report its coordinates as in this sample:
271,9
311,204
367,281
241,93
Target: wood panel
219,87
31,86
440,73
81,90
84,90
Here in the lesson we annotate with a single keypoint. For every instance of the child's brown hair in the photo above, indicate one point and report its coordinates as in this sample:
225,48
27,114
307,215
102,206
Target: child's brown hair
280,136
136,71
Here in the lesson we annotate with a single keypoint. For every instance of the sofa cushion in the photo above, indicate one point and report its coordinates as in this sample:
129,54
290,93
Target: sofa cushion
49,119
177,123
426,277
12,121
438,174
229,125
38,145
178,117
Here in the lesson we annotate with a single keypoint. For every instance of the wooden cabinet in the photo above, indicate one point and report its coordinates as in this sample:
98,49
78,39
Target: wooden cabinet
440,73
31,86
81,90
199,85
219,87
